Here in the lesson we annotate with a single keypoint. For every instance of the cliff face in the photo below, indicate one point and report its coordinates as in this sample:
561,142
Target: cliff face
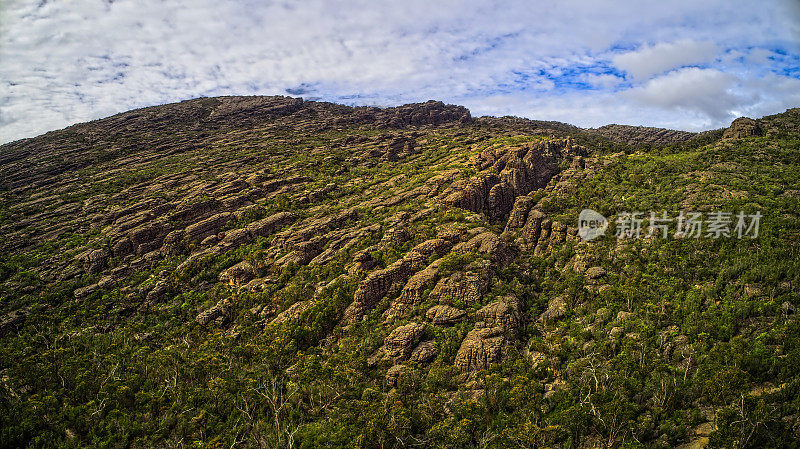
283,262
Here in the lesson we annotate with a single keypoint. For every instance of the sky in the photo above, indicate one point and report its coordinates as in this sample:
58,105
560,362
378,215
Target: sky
690,65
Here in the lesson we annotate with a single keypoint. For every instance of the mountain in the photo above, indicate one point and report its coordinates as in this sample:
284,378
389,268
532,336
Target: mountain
273,272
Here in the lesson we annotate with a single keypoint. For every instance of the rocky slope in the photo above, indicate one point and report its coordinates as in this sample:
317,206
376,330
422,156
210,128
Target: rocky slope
249,271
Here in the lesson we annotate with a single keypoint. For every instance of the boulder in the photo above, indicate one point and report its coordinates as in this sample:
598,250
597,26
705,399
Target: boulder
239,274
236,238
444,315
394,373
401,341
218,312
503,314
269,225
556,309
467,287
595,273
481,349
424,352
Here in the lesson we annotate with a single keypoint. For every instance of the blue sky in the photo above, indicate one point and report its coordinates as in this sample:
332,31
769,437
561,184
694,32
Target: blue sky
679,64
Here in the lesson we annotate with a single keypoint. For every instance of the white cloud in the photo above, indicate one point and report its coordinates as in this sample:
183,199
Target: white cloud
703,90
654,59
605,80
63,62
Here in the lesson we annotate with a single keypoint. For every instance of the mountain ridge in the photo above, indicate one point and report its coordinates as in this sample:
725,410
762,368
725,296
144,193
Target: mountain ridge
274,272
206,103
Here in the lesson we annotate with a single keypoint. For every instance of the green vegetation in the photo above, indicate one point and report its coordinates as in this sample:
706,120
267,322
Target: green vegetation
681,341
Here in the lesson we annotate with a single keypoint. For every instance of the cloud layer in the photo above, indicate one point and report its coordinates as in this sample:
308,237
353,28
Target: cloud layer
683,64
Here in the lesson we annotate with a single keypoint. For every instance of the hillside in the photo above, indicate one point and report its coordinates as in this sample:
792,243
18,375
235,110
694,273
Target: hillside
273,272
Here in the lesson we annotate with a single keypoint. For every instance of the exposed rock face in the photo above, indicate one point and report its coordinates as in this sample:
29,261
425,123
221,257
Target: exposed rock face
239,274
236,238
375,287
470,194
210,225
193,212
11,321
424,352
158,293
742,127
378,283
510,173
118,203
538,233
293,312
413,290
482,348
269,225
306,230
218,313
443,315
173,243
96,260
303,252
401,341
496,327
519,215
502,313
636,135
394,149
362,260
395,236
342,240
556,309
462,286
533,227
487,243
394,374
428,113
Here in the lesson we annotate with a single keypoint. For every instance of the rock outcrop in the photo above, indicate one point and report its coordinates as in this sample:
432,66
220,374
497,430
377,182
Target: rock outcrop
12,321
482,348
503,313
742,127
411,295
425,352
556,309
218,313
443,315
510,172
496,328
464,287
401,341
377,284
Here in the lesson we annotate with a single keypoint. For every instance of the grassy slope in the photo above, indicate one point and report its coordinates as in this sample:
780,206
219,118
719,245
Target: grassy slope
98,373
